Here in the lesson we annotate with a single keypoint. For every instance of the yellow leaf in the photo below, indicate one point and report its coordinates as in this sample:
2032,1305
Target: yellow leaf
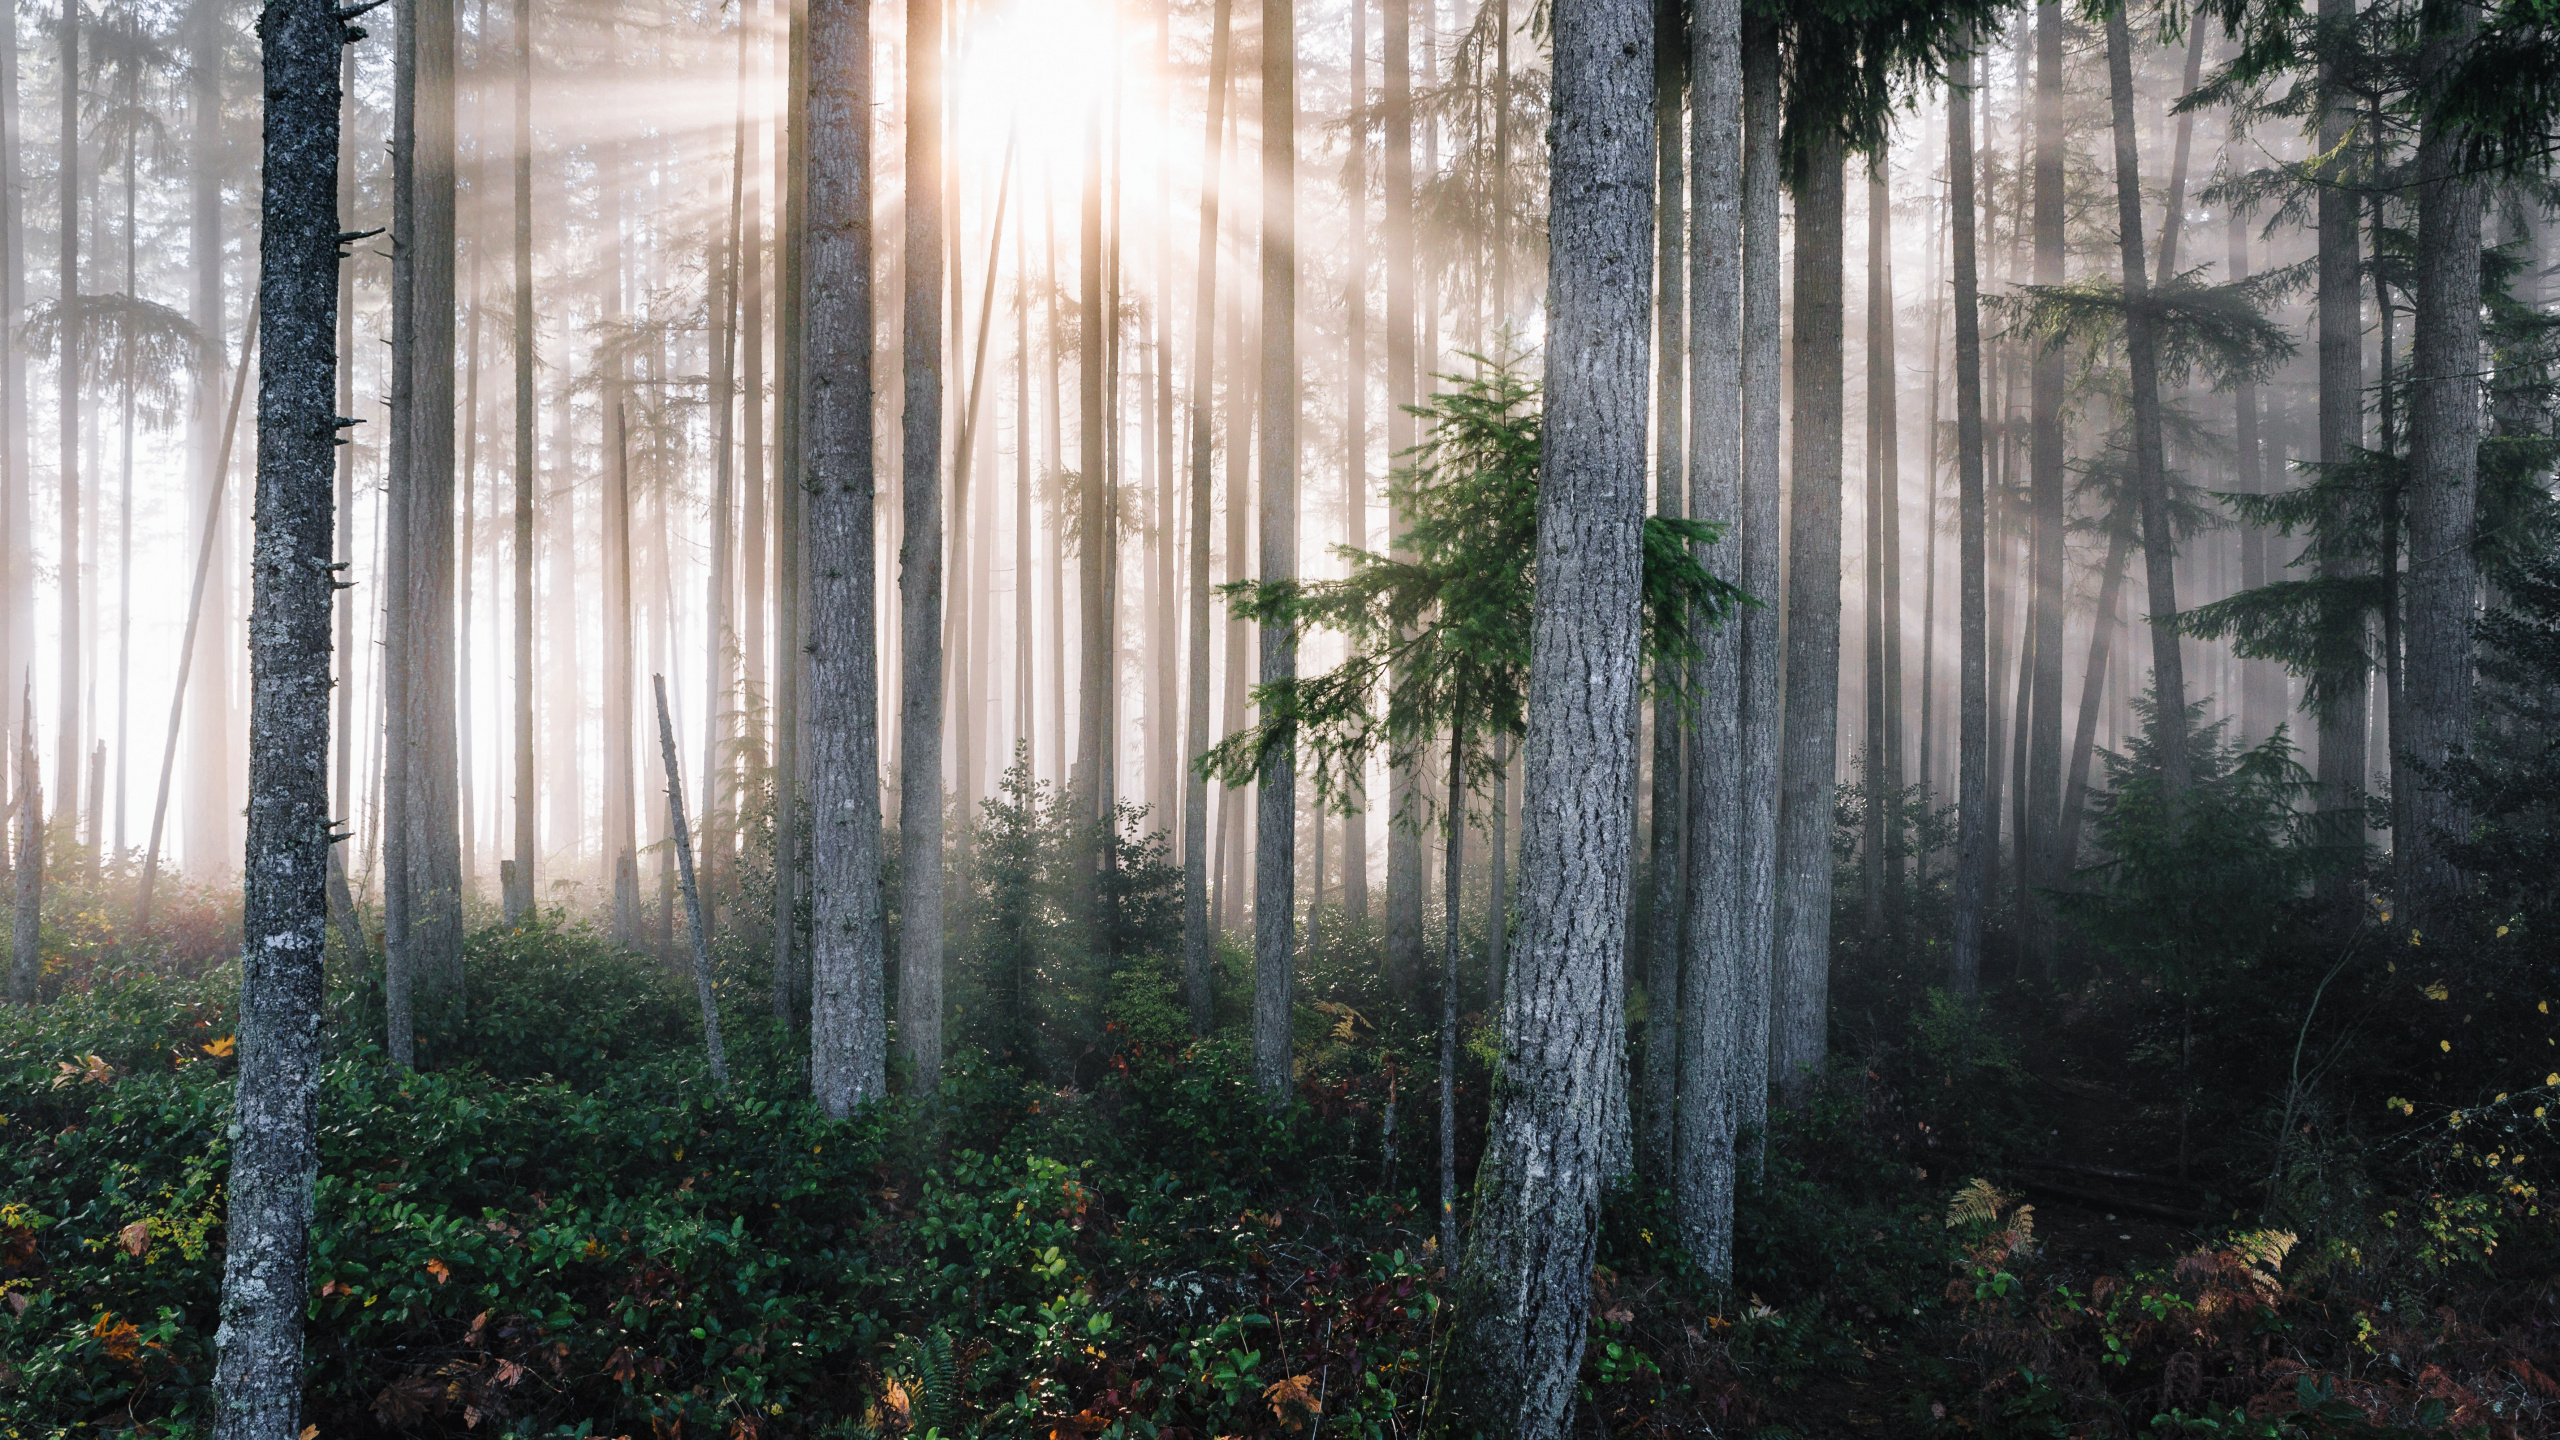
2445,1045
1296,1390
440,1270
2551,1079
222,1047
2435,991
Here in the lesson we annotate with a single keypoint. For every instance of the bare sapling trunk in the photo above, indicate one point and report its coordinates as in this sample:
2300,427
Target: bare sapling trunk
692,893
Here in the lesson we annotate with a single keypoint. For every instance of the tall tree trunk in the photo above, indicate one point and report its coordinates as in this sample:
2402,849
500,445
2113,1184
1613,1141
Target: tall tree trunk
17,513
1454,821
212,797
720,709
1527,1277
422,878
848,1037
1801,1012
2261,694
1204,317
1883,765
1355,429
790,963
342,780
2150,470
752,538
1404,834
275,1145
621,781
519,900
2341,760
1713,985
68,332
1275,847
124,512
1763,646
1975,822
2443,488
2048,503
1088,782
2093,683
26,914
920,716
1665,930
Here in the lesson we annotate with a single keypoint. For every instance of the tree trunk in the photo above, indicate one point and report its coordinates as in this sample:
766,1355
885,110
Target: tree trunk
69,344
1088,782
2341,345
621,781
2261,695
920,717
2093,685
790,961
1713,983
1404,833
519,900
1204,317
26,931
1801,1012
1455,822
1880,617
1527,1280
2150,471
422,879
1355,477
212,796
696,928
1975,823
848,1040
17,513
720,708
1763,661
2443,491
2038,795
1665,930
275,1145
1275,848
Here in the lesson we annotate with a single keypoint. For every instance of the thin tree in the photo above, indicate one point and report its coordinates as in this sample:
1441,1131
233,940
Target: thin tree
1404,835
1355,427
920,717
275,1133
1275,841
1204,317
17,515
2040,725
1973,726
2340,318
696,929
2150,471
26,929
848,1035
519,897
71,342
212,793
790,961
1763,644
1527,1273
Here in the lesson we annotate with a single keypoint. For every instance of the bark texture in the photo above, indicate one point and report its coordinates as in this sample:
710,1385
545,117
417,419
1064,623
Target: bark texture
1712,986
1275,838
1405,878
2340,305
920,717
1973,671
1763,644
1801,1011
275,1139
1657,1107
1526,1281
848,1040
2443,491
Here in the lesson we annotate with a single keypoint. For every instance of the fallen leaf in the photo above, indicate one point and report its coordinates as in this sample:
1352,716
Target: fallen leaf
218,1049
1296,1390
135,1238
440,1270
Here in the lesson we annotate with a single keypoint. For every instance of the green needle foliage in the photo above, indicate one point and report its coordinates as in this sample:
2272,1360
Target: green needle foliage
1443,635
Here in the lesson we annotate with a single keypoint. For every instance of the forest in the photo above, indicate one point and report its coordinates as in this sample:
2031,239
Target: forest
1199,719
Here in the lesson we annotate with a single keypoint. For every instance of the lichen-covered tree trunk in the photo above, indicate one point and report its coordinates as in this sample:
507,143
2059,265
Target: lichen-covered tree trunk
275,1140
920,715
1526,1293
1711,985
2443,490
1801,1009
848,1039
1275,839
